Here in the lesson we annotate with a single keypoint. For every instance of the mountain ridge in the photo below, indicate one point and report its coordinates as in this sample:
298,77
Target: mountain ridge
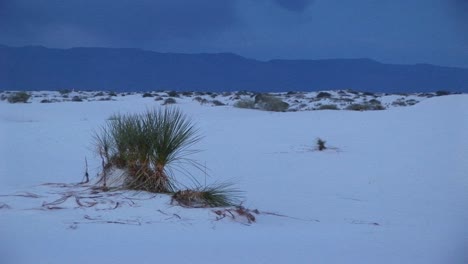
133,69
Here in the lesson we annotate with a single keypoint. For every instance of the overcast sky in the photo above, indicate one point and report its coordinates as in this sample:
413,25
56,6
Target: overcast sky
394,31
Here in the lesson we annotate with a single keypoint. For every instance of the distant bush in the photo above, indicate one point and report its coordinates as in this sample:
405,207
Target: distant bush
45,101
188,94
245,103
198,99
173,94
364,107
442,93
323,95
270,103
159,98
76,98
19,97
147,95
217,103
328,107
64,91
239,93
112,94
169,101
399,102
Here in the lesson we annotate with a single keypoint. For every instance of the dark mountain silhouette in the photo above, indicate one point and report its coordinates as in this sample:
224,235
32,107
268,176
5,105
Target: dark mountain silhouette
40,68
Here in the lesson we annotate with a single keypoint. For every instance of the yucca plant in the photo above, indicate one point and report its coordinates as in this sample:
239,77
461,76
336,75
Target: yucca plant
146,146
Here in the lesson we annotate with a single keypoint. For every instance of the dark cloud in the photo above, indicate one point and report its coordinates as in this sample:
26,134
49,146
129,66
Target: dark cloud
132,21
459,13
397,31
294,5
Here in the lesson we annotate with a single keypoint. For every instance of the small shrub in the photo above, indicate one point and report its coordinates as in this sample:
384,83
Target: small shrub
113,94
169,101
147,95
245,103
159,98
442,93
188,94
198,99
99,94
399,102
19,97
368,93
321,144
323,95
218,103
173,94
64,91
365,107
270,103
45,101
328,107
77,98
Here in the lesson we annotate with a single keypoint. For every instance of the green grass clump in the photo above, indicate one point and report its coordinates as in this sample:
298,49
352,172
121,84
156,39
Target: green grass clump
146,147
220,195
